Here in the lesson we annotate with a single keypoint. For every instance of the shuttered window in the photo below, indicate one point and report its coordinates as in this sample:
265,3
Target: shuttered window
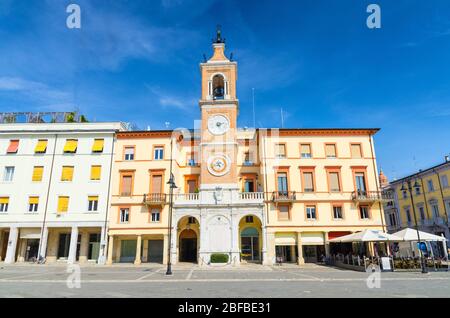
129,153
92,203
280,150
63,204
41,146
13,146
308,182
126,185
37,174
330,151
334,182
98,145
96,172
157,184
305,150
356,151
33,204
71,146
283,212
4,203
67,173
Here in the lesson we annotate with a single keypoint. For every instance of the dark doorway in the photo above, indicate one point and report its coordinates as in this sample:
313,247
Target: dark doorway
63,245
188,246
32,250
4,246
313,253
155,251
286,253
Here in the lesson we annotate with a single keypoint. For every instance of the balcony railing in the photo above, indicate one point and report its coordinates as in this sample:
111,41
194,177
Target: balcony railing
283,196
155,199
370,196
251,196
186,197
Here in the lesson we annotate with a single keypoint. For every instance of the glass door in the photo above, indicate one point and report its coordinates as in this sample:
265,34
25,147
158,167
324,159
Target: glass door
282,184
360,183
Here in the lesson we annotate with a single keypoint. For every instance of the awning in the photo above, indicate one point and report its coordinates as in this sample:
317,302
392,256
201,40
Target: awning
30,234
411,235
98,145
71,145
41,146
367,236
313,238
283,239
13,146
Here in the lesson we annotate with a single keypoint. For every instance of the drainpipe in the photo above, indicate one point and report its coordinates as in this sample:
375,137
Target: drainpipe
266,202
41,259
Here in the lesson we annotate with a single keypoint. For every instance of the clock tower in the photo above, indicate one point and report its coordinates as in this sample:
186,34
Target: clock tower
219,109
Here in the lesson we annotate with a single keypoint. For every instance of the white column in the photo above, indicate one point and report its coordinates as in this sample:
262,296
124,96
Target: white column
265,257
43,244
165,249
235,254
73,246
173,245
203,248
103,244
110,250
138,259
12,244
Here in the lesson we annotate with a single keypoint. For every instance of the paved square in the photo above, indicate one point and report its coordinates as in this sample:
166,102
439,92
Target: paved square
192,281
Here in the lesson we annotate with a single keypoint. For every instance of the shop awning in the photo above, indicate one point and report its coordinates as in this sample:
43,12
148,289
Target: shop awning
313,238
30,234
286,239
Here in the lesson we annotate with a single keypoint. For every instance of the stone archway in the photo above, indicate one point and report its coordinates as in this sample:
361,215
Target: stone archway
188,239
250,239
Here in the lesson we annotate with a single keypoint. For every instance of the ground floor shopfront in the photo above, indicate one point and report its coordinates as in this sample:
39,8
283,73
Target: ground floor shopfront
53,243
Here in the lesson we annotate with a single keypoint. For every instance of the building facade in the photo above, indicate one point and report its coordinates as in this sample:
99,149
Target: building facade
54,190
257,195
430,201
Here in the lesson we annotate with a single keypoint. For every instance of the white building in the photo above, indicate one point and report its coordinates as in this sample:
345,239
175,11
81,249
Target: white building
54,190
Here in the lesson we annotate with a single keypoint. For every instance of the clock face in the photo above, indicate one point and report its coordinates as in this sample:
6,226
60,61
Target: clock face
219,165
218,124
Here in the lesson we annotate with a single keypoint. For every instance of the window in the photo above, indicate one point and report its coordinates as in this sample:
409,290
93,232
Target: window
408,215
33,204
67,173
4,203
158,153
392,220
283,212
334,182
96,172
444,181
157,183
249,185
127,181
13,147
282,183
218,87
417,189
63,204
191,220
155,215
308,182
37,174
422,213
305,151
280,151
430,185
41,146
9,174
364,212
191,185
330,151
356,151
191,160
129,153
92,203
337,212
124,215
435,209
249,219
404,194
247,159
71,146
98,145
310,212
360,180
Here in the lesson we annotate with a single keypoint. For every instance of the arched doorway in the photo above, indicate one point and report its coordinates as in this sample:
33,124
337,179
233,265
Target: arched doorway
250,239
188,234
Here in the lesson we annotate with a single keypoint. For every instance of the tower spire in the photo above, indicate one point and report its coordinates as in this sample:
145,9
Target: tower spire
219,38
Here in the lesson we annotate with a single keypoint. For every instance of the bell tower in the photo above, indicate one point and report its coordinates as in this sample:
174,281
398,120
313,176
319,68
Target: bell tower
219,110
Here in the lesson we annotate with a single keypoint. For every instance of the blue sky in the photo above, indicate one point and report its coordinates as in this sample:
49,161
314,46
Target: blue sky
137,61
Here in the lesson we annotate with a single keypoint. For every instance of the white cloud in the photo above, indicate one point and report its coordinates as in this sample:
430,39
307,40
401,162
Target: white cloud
169,100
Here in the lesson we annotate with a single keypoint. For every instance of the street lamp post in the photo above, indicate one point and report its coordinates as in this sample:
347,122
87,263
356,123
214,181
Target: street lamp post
172,186
409,188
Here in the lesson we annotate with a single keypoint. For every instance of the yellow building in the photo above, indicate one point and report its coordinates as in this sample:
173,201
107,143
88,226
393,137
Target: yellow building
256,195
430,201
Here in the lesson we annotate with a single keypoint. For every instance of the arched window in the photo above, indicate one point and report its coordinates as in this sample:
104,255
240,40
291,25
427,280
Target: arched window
218,87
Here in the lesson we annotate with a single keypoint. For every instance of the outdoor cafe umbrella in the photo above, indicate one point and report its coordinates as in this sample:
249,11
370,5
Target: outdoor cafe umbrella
411,235
367,236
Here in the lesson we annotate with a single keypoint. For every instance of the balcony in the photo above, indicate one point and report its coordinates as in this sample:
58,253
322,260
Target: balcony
370,197
283,197
189,197
155,199
251,196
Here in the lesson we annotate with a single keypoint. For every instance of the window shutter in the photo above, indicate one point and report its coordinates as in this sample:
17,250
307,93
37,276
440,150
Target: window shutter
37,174
356,151
334,182
4,200
33,200
96,172
63,204
306,149
330,151
308,179
41,146
126,185
98,145
13,146
71,146
156,184
67,174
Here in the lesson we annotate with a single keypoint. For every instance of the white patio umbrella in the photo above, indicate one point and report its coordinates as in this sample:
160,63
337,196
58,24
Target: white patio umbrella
367,236
411,235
